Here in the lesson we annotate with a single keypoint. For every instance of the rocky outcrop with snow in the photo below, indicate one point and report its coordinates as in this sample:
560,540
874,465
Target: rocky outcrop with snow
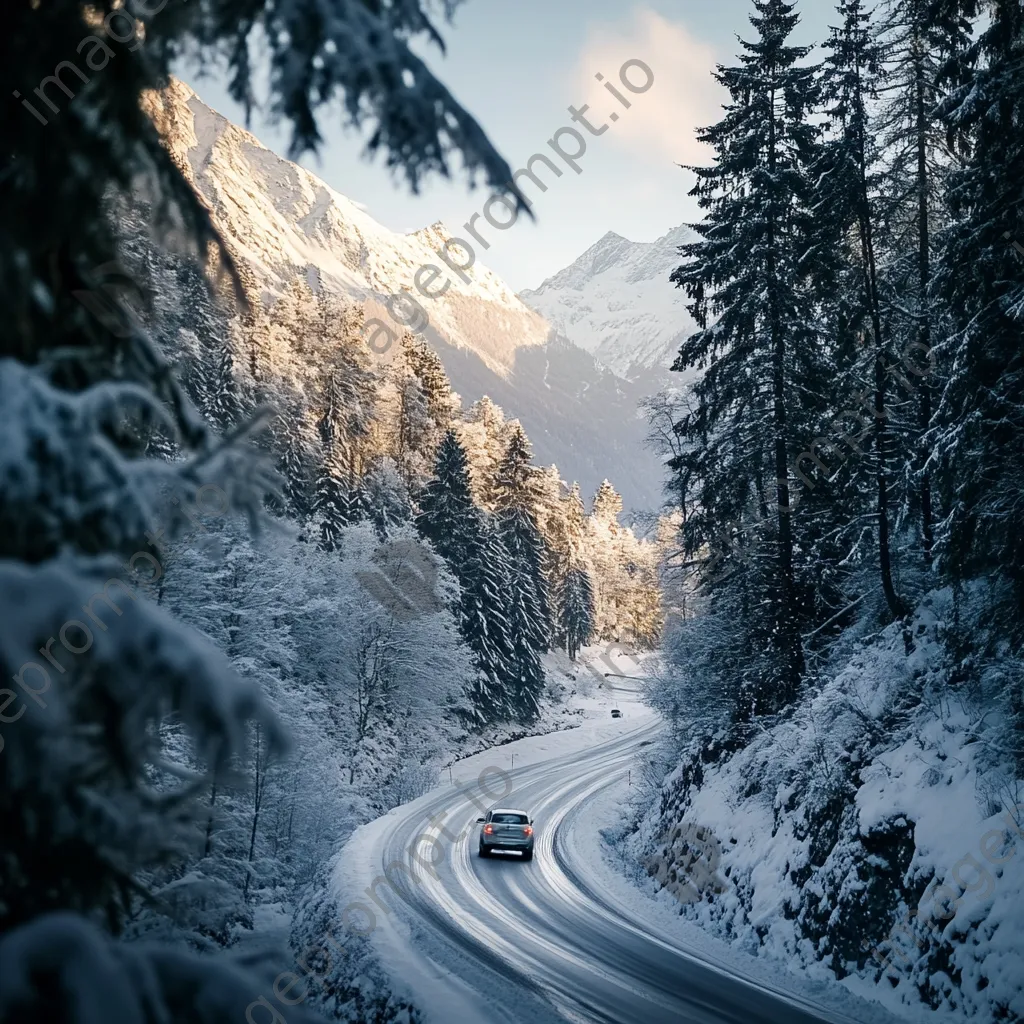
876,833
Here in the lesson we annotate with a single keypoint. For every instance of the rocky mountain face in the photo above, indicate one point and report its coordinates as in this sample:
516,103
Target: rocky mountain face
283,222
616,302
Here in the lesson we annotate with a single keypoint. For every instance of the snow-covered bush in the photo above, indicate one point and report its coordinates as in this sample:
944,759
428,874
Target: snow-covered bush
346,982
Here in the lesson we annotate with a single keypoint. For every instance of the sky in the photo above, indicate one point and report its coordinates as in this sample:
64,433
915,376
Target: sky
517,68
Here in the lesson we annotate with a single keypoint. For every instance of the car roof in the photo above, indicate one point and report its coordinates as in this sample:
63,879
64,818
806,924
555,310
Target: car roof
507,810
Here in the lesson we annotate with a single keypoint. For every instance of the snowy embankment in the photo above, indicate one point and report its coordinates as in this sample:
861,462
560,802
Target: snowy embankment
875,835
378,975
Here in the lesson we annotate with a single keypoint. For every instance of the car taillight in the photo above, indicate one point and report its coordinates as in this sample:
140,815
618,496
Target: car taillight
528,830
489,829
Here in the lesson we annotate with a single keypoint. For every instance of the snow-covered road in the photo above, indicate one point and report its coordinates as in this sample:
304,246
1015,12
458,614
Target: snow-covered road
558,938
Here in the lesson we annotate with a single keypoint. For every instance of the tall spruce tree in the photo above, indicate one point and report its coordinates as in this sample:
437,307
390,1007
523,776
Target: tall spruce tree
519,490
577,610
848,202
527,610
487,627
979,431
927,51
450,520
224,403
763,357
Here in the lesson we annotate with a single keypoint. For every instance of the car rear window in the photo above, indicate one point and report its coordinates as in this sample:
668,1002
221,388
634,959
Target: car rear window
509,819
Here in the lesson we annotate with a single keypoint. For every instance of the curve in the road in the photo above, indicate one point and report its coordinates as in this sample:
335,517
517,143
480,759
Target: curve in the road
528,934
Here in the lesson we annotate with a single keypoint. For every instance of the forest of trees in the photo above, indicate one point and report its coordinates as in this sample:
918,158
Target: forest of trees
856,435
388,444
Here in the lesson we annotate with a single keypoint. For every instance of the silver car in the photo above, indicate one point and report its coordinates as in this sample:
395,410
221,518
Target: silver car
506,829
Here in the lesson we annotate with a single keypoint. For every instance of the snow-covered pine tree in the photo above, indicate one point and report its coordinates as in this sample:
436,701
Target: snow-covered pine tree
487,628
748,271
331,508
927,44
415,431
485,436
348,386
224,406
575,522
447,517
387,500
847,198
526,607
426,366
603,533
450,520
979,426
81,821
519,491
608,506
296,462
551,510
577,610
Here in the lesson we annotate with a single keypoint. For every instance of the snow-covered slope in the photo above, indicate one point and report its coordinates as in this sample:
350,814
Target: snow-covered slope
283,222
617,303
873,834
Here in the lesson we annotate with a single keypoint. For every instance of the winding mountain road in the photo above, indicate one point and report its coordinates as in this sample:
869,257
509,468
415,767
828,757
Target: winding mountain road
509,940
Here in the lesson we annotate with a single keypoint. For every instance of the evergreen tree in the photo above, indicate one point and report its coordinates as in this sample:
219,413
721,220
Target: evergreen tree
295,464
608,506
422,410
485,435
518,490
347,392
348,389
979,432
848,201
331,509
387,500
526,608
517,481
426,366
487,629
763,357
77,777
577,609
927,47
223,404
450,520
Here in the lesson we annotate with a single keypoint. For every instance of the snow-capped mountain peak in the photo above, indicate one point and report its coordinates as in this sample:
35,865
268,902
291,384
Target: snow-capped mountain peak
616,302
285,222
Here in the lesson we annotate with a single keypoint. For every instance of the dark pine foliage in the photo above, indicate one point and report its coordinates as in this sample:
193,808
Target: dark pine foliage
763,360
577,608
459,531
979,430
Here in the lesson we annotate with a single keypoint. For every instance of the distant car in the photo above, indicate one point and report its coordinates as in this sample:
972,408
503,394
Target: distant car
616,713
506,829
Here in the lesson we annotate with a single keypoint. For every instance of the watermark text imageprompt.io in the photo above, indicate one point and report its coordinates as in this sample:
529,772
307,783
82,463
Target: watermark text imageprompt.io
501,210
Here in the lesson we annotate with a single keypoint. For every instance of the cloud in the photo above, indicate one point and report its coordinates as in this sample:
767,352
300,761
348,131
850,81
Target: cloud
683,97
